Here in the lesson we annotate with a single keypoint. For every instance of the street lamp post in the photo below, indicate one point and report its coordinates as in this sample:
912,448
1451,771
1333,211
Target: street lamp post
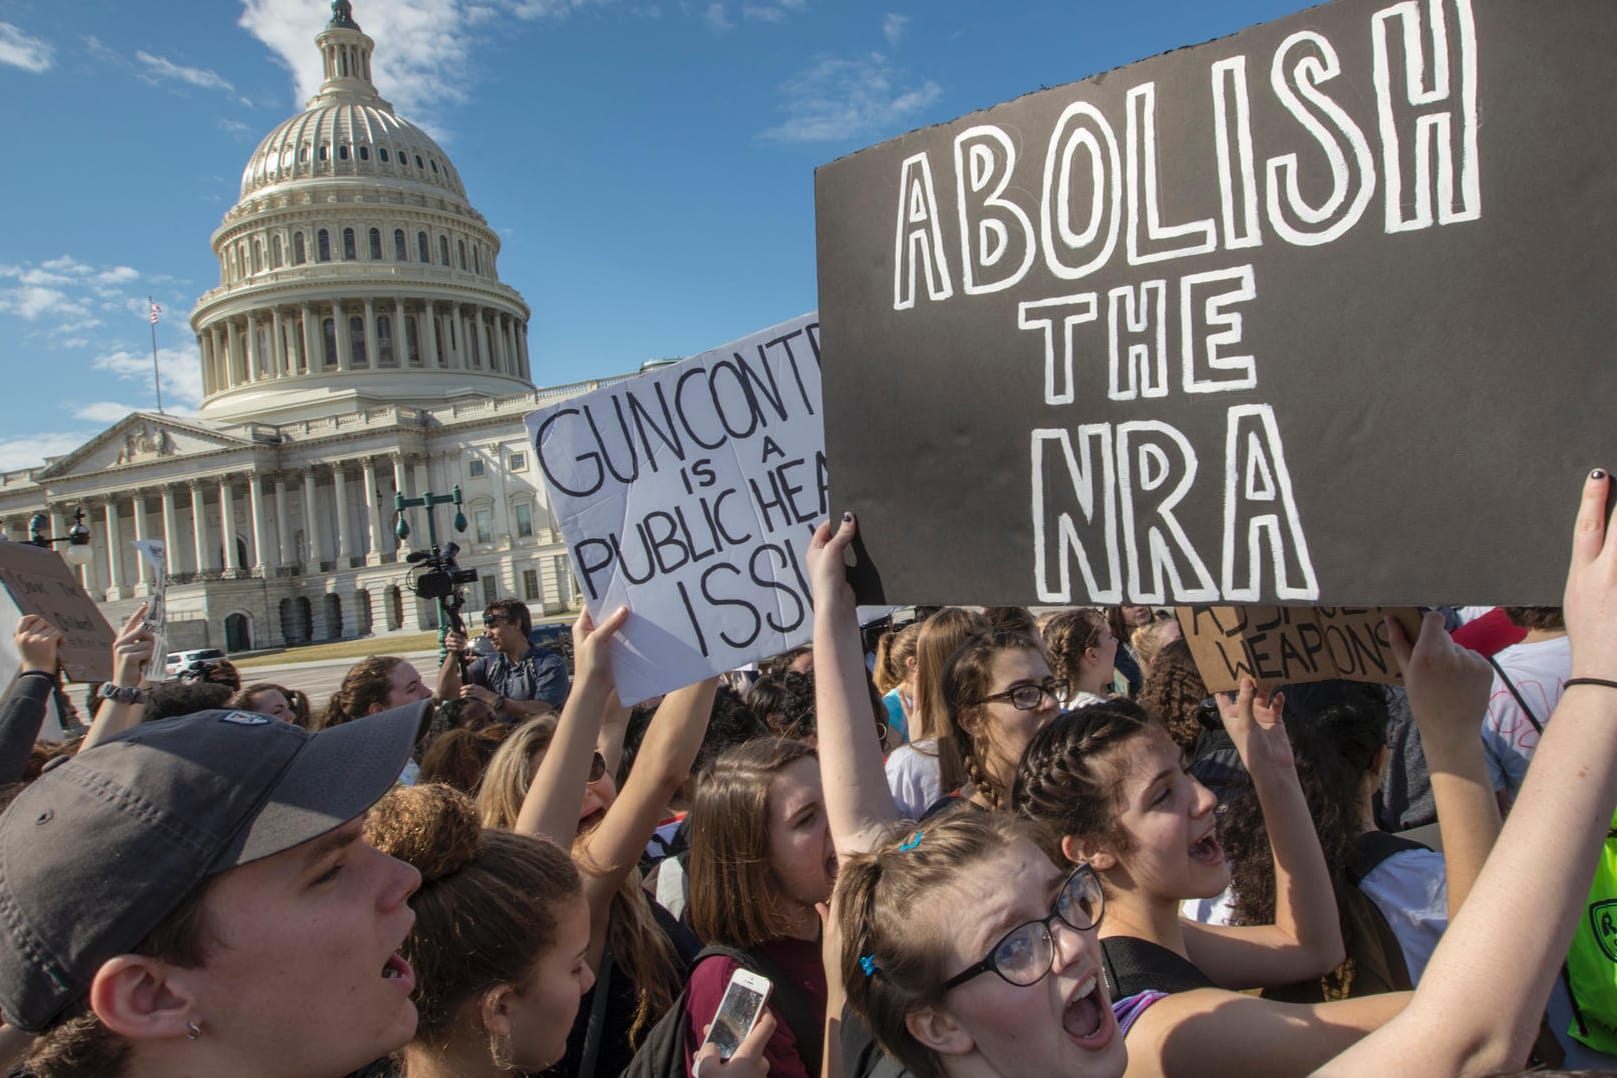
79,551
440,563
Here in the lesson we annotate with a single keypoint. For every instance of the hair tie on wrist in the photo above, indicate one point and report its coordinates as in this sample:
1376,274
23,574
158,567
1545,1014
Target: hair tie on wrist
1591,681
868,964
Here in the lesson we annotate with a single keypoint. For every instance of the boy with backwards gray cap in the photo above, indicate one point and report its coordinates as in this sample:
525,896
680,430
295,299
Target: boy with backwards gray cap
193,896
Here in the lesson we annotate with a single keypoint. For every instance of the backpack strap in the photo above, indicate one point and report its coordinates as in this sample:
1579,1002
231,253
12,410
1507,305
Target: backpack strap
1511,685
1374,847
592,1034
795,1008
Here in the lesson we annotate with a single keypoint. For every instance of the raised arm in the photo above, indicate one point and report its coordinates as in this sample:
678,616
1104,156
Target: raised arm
1480,1000
662,764
1306,938
1448,695
550,807
858,803
22,712
448,687
131,651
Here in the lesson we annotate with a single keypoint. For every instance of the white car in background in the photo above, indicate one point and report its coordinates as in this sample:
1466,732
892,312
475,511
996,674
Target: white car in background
182,660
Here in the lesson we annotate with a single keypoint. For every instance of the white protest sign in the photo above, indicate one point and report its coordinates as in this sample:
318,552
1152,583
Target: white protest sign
689,495
156,619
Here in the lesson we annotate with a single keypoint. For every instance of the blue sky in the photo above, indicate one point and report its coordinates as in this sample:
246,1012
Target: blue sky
649,164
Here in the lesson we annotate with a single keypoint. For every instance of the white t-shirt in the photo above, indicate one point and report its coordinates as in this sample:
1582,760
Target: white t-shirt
1539,671
1411,890
915,777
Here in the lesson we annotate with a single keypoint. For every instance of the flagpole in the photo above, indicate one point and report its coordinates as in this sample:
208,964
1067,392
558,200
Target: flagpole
157,377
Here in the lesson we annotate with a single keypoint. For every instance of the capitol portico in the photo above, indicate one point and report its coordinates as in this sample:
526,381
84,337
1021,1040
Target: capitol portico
360,344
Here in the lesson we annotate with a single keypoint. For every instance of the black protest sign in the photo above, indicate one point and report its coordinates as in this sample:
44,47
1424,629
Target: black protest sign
1294,645
39,582
689,494
1316,313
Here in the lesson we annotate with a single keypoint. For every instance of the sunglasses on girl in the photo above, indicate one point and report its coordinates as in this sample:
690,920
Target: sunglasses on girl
1025,954
597,767
1027,697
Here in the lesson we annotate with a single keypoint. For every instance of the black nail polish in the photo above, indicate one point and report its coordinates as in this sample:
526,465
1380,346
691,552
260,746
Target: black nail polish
847,518
1598,473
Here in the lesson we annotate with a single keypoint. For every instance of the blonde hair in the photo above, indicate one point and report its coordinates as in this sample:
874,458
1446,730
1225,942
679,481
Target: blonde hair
940,637
893,652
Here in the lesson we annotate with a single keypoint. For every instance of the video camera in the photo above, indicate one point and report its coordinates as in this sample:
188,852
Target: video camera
442,579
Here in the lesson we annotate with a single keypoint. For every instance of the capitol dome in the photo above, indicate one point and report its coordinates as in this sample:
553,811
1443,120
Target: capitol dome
353,271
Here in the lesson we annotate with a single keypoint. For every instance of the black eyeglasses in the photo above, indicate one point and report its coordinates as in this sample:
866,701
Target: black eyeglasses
1027,697
1025,954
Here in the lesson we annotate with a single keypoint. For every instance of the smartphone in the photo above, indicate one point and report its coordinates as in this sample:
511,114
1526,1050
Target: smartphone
743,1002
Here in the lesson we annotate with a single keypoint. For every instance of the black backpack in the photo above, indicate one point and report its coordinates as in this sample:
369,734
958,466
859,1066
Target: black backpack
662,1053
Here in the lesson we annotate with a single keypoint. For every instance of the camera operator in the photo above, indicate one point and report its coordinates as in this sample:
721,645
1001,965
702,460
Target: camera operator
519,680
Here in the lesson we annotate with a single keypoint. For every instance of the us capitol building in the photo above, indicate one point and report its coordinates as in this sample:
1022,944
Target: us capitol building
360,343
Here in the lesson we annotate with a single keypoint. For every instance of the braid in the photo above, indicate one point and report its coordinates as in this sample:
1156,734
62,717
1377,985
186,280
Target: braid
1069,776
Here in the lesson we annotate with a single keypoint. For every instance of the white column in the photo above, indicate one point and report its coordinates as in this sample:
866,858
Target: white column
227,524
345,538
427,333
115,550
283,525
373,514
254,360
339,324
263,557
371,356
171,532
220,381
205,350
423,477
143,569
230,352
92,576
313,354
277,347
314,551
401,340
199,526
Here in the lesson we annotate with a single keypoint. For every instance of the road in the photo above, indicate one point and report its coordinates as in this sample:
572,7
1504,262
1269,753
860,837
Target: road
320,679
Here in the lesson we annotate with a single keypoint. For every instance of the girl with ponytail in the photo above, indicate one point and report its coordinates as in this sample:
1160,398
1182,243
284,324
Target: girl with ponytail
499,941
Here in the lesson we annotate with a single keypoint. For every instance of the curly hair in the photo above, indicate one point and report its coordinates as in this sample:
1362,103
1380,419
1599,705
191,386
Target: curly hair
1071,777
1536,617
1336,730
1173,691
367,684
895,929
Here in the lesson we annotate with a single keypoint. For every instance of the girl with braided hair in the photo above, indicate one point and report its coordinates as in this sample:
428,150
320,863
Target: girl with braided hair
1083,651
1000,692
1111,788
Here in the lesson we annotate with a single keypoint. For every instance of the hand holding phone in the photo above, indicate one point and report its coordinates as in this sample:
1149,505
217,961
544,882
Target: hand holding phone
743,1001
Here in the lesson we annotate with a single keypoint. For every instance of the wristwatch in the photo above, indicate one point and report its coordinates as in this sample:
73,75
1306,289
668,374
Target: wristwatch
123,694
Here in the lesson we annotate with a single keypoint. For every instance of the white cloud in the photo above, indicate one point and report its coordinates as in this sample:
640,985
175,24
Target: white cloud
717,18
893,28
33,301
117,275
836,99
17,49
235,127
156,69
181,367
102,411
777,11
30,450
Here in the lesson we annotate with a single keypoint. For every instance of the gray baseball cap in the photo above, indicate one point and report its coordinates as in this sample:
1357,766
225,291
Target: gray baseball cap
100,849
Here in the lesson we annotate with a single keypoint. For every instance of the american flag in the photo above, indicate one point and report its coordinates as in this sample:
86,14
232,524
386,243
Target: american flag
156,310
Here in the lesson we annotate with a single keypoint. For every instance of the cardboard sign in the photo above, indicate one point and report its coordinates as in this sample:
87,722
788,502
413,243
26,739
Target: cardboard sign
156,619
1274,319
689,494
1283,645
40,582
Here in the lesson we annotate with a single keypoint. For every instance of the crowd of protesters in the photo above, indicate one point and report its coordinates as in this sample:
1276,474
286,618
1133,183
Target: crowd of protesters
987,843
